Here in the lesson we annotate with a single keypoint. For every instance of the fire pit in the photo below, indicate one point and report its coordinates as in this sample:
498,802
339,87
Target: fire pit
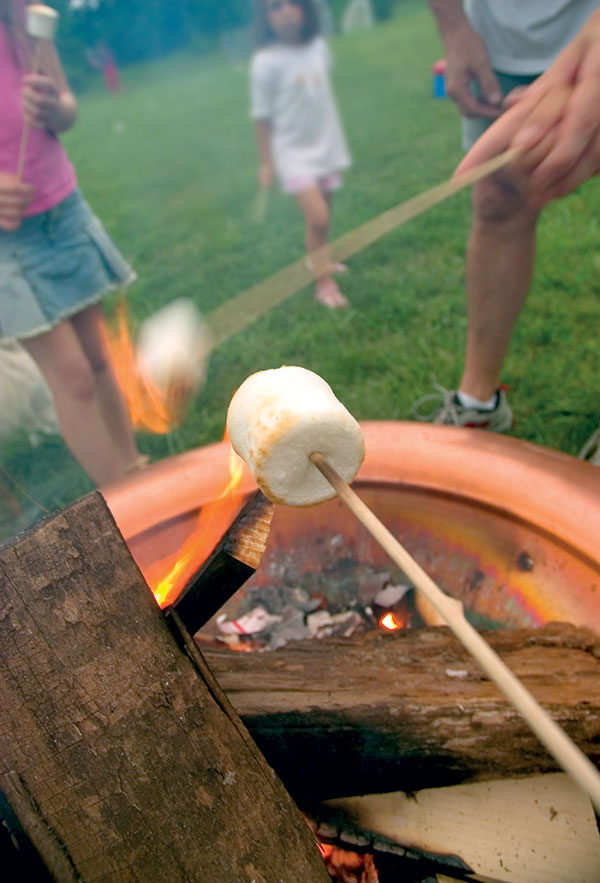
128,744
507,527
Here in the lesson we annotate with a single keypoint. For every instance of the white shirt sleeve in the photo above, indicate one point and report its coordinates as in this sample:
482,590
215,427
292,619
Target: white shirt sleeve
263,83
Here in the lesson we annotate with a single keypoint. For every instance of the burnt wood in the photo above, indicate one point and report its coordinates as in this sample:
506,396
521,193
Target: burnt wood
232,562
118,755
409,710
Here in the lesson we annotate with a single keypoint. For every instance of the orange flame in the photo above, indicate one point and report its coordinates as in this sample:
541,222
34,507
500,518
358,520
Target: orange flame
168,578
150,408
390,622
349,867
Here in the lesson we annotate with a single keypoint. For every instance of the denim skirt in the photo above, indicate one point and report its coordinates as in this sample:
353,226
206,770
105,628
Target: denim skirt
55,265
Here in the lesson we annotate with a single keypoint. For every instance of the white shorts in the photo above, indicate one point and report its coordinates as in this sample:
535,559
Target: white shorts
325,183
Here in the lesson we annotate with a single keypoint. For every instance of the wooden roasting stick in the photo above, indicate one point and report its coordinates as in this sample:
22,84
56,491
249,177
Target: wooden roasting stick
563,749
41,23
238,312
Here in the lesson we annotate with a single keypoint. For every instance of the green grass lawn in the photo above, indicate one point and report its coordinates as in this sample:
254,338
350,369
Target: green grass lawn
170,167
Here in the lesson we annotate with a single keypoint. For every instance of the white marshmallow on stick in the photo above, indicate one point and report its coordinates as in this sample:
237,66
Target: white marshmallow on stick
287,424
40,23
277,419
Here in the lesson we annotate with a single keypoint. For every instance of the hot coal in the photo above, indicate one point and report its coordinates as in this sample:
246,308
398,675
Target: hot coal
288,602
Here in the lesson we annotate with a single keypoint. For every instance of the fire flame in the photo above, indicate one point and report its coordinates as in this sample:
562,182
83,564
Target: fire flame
168,578
349,867
390,622
151,408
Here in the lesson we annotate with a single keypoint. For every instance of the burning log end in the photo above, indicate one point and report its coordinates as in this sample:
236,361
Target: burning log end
232,562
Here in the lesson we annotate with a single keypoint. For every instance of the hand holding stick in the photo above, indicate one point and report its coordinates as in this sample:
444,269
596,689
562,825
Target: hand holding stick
261,202
40,25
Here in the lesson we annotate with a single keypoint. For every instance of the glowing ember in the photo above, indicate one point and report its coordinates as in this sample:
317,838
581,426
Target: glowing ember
390,622
151,409
168,578
349,867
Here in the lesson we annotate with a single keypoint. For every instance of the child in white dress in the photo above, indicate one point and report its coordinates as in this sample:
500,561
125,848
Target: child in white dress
298,128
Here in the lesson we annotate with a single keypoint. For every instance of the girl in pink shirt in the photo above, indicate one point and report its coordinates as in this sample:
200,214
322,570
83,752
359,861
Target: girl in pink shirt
56,259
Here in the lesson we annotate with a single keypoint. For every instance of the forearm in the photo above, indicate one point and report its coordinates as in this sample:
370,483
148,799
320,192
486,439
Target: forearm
263,140
449,15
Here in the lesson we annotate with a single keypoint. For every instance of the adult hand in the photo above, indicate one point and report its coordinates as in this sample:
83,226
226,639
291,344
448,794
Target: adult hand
555,124
15,197
467,61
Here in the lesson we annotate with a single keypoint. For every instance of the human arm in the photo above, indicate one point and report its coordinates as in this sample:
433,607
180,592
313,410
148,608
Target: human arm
263,88
15,197
555,124
263,139
467,61
48,103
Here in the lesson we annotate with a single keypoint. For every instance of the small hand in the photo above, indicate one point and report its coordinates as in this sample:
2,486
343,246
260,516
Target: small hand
41,101
15,197
265,176
467,62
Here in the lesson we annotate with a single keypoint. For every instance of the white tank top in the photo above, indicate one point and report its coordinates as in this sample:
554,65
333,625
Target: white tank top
525,36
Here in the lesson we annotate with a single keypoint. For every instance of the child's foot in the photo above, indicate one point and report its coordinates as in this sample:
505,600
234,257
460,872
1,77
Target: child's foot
327,292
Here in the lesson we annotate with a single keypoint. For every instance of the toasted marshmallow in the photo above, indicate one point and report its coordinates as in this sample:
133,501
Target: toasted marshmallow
173,347
277,419
41,21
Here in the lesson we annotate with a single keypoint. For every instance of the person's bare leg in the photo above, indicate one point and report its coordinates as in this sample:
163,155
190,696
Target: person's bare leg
317,215
500,258
89,328
63,363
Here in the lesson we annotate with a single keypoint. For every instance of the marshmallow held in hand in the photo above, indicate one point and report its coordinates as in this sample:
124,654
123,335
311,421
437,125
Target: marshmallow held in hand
41,21
173,349
277,419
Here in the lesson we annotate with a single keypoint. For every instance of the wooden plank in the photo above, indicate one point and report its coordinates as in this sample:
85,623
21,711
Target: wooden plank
537,829
409,710
118,758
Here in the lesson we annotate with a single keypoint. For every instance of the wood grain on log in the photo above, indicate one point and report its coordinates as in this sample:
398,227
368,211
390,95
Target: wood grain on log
117,758
409,710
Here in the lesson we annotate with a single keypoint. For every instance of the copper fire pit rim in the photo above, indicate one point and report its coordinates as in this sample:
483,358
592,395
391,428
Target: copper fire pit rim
551,490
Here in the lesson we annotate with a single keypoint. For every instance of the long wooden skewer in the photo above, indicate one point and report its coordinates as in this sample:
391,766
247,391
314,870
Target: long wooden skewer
238,312
26,126
553,737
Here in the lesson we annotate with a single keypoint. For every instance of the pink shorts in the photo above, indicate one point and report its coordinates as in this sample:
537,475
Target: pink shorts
327,183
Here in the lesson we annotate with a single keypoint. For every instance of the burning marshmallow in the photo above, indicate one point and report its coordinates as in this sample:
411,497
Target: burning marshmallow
173,349
41,21
277,419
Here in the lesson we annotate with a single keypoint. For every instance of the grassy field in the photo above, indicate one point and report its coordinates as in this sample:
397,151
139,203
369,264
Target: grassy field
170,167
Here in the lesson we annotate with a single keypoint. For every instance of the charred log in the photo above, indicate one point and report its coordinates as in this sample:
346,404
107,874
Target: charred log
233,561
410,710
